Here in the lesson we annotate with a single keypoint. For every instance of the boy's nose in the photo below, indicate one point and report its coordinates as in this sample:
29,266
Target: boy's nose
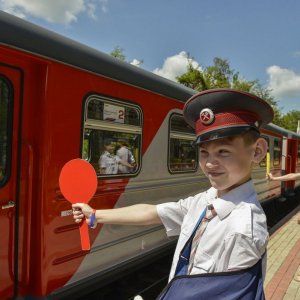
211,163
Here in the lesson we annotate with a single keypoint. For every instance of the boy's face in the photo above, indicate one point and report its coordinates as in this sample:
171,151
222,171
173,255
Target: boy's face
226,162
109,148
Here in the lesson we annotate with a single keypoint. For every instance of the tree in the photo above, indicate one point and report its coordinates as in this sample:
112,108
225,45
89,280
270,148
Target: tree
290,120
220,75
265,94
118,53
193,78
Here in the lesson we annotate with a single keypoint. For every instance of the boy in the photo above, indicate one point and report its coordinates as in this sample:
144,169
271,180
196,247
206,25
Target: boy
232,234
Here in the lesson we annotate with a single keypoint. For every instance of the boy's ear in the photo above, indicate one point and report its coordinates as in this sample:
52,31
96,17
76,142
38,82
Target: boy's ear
260,151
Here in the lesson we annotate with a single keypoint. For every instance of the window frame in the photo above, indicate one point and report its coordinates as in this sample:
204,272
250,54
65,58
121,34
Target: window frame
88,123
182,135
9,130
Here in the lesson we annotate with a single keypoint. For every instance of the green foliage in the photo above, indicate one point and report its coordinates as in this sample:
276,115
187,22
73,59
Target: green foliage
290,120
118,52
220,75
265,94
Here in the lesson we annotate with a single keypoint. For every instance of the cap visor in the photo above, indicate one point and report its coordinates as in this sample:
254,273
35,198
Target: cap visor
223,133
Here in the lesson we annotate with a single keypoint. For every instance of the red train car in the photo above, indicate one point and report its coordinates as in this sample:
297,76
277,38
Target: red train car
61,100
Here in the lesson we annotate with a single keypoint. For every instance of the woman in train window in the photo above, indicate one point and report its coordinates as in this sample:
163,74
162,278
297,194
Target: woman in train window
222,232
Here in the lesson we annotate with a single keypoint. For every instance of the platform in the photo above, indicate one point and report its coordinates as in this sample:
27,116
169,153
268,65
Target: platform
284,259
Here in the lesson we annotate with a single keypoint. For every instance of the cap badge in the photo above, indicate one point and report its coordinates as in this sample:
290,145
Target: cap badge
206,116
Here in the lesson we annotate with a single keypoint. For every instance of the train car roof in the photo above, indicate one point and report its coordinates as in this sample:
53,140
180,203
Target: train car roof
282,131
18,33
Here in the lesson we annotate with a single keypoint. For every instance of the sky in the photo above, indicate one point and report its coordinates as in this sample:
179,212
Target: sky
259,38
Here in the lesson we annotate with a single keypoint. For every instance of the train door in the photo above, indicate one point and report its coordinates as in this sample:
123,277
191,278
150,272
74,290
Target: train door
10,79
292,161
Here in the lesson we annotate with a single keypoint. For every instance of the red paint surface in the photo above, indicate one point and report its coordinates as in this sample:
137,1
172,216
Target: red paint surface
53,96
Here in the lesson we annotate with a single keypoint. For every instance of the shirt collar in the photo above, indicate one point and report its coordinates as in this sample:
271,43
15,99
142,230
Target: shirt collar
107,153
227,203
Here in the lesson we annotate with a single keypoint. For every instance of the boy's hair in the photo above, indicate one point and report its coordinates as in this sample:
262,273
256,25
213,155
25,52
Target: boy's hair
108,142
249,137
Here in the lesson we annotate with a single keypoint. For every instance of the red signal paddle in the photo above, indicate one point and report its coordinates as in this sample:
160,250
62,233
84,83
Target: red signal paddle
78,183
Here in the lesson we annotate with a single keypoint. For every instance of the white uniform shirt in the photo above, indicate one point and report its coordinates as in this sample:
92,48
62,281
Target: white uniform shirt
125,154
235,239
109,162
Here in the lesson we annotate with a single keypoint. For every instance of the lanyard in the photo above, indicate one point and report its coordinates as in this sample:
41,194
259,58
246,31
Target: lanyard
184,257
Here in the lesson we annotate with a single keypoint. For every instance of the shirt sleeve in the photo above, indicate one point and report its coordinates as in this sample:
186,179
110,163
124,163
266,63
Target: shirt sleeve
102,162
242,251
132,160
248,239
172,215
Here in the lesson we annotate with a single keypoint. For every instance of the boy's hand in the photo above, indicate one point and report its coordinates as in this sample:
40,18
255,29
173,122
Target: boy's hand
81,210
270,176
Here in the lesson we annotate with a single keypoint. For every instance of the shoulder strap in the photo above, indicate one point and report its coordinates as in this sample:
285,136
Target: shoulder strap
184,256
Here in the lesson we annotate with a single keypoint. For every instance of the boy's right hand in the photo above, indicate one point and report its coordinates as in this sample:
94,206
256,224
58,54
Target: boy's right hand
270,176
81,211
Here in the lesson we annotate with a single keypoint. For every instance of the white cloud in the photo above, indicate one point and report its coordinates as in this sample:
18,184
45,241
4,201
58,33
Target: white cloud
136,62
283,83
175,66
53,11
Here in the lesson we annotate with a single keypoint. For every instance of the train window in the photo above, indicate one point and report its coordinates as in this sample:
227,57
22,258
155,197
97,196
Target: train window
183,156
112,136
5,118
263,163
277,152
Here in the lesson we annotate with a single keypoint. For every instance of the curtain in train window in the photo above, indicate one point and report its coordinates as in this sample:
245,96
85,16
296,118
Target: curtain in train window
112,137
183,155
299,155
277,153
4,128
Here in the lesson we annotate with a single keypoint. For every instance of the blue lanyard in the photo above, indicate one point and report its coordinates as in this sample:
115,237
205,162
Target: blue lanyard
184,257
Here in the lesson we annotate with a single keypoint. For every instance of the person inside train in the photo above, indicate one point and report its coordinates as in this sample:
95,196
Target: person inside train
109,162
224,228
125,154
287,177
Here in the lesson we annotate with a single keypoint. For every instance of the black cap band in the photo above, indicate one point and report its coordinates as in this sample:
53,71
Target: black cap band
224,133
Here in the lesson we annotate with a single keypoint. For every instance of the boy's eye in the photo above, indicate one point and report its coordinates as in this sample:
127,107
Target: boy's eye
203,152
224,152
